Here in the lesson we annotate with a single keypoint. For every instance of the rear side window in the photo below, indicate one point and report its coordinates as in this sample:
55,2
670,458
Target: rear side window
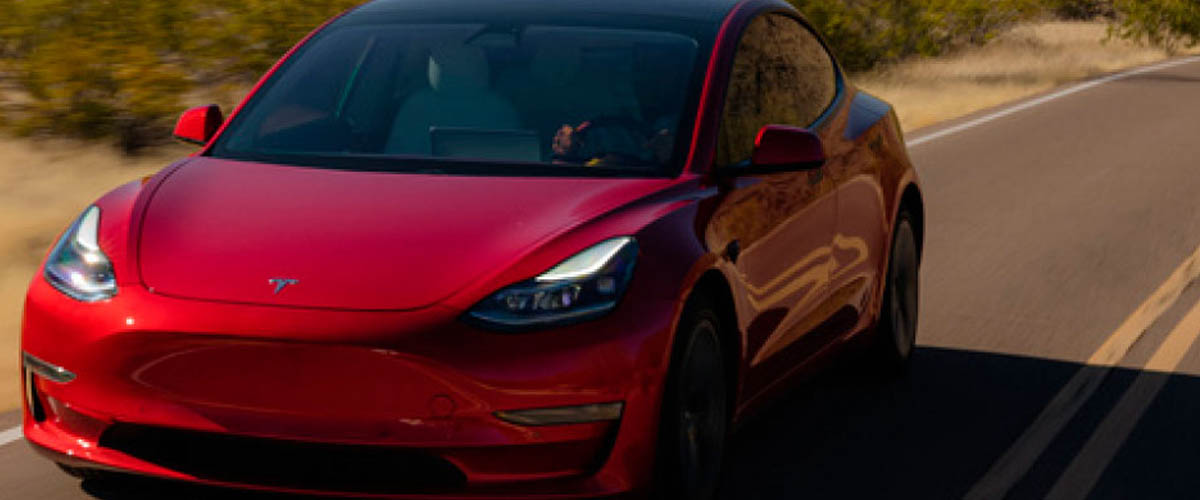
782,75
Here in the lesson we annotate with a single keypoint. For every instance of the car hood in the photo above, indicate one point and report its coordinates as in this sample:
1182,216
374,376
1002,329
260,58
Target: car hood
231,231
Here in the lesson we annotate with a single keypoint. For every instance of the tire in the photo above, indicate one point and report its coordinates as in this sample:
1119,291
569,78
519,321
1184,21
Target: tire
896,334
71,471
87,474
695,411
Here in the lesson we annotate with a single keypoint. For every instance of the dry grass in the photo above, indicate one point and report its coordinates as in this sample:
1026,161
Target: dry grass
44,184
1025,61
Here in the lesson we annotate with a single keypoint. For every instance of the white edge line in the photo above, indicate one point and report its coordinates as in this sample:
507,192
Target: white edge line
1048,98
11,435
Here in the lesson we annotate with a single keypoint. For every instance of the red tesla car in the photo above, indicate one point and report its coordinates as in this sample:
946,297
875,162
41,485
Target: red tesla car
480,249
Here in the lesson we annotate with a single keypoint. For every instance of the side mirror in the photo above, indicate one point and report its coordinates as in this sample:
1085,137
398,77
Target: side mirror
780,148
199,125
786,148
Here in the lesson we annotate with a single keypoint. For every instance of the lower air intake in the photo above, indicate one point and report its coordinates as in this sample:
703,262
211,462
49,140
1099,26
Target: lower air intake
286,464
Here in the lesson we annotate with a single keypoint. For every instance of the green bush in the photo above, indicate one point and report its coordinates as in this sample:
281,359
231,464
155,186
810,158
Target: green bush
88,68
120,68
866,33
1084,9
1169,24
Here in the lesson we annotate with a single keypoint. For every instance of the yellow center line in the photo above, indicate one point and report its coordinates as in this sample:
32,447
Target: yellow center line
1170,354
1118,344
1086,469
1025,451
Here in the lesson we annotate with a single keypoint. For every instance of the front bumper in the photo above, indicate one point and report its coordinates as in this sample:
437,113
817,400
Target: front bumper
392,404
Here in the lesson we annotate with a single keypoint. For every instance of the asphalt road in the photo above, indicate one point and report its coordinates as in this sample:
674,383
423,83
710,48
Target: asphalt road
1057,329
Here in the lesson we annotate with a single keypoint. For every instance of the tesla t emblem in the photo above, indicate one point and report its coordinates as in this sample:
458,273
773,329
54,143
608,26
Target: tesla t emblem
281,283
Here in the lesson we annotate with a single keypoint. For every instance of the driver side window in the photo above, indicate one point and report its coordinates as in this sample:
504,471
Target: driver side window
782,75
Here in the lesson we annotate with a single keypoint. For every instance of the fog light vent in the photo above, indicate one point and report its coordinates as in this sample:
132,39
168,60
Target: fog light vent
564,415
32,399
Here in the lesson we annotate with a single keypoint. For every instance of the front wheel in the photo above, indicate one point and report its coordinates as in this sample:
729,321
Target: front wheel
897,330
695,411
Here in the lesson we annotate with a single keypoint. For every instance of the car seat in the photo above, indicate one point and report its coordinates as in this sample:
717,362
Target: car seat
459,95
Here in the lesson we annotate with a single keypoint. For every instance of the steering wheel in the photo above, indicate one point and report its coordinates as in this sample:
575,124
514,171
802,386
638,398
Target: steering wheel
620,158
605,139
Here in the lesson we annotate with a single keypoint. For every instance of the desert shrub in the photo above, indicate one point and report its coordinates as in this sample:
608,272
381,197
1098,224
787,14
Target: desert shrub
1169,24
241,39
1084,9
119,68
866,33
90,68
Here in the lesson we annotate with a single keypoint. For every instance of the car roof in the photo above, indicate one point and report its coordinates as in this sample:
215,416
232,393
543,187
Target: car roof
693,13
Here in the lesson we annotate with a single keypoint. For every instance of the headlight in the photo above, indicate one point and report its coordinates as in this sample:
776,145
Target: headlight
581,288
77,267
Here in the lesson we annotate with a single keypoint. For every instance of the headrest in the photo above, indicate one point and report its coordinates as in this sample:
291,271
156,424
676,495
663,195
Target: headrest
458,69
556,65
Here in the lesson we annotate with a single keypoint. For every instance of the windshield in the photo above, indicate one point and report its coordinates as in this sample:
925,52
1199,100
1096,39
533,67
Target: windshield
382,96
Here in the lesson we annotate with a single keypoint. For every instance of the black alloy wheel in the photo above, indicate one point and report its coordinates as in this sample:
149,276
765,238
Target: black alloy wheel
695,411
897,331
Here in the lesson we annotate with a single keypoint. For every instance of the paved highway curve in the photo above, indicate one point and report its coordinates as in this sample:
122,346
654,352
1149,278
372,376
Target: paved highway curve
1057,354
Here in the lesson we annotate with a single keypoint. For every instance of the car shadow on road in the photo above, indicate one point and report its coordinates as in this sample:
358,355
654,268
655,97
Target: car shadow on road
930,434
145,489
935,432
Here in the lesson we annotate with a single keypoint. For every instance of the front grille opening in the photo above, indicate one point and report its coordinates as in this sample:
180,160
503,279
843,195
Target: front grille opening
33,398
287,464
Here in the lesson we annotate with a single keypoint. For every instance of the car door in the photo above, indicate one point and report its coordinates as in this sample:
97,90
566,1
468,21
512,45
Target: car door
861,242
777,228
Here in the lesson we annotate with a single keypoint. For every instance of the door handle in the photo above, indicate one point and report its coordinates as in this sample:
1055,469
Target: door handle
733,250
